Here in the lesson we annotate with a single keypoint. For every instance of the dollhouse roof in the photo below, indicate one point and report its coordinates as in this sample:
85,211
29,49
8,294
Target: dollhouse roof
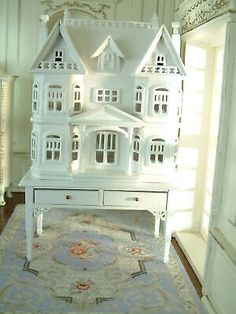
107,115
58,33
133,41
163,42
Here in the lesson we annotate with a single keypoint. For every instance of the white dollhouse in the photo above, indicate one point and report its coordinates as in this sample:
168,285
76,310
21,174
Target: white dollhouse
105,110
105,101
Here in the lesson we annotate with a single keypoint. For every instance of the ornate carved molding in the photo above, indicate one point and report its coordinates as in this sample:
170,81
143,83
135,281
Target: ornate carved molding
97,11
199,12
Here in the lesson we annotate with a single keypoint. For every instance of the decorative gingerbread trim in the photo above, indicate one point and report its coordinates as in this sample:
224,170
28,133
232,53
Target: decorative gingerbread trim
200,12
97,12
38,211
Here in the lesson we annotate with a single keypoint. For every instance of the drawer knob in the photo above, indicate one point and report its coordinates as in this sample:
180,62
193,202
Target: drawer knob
68,197
137,199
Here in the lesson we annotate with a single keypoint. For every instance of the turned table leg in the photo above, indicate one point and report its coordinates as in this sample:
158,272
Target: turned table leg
29,221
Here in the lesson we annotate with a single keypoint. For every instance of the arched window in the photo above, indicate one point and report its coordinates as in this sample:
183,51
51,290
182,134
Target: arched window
33,146
157,150
75,147
35,97
139,98
106,147
136,148
55,98
53,147
160,60
160,101
76,99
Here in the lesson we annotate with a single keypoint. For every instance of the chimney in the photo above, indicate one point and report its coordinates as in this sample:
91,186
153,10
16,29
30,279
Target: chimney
154,21
176,35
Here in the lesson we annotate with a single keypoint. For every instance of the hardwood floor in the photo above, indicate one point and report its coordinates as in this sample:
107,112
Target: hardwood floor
18,198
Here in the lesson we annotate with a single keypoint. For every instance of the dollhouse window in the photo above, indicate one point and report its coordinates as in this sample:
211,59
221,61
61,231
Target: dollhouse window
53,147
58,55
107,96
160,101
75,147
55,98
160,61
139,97
33,146
106,143
157,151
35,97
136,148
76,99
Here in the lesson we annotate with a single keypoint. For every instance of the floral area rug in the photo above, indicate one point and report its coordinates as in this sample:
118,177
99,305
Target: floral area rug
91,262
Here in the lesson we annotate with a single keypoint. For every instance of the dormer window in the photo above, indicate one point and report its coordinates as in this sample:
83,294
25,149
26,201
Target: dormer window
160,101
160,61
58,56
109,56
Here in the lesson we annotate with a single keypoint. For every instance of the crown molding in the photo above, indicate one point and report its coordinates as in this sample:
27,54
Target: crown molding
97,9
197,12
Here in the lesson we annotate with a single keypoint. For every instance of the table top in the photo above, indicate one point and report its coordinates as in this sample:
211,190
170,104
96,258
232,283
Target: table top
119,182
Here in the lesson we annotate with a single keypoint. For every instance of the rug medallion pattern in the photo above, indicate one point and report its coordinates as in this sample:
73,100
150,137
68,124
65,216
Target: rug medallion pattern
91,262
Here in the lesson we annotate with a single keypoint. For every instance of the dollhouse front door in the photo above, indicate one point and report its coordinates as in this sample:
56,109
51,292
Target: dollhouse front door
106,147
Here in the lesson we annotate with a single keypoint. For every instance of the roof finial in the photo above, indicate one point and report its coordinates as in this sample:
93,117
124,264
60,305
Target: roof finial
154,21
66,15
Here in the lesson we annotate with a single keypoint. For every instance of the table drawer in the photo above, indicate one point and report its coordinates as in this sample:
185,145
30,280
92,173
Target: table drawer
67,197
135,199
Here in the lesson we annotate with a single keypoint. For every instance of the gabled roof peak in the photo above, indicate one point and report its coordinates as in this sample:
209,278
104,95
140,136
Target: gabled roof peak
108,43
109,115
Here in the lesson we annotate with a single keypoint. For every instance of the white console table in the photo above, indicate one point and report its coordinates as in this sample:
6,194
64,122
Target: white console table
41,195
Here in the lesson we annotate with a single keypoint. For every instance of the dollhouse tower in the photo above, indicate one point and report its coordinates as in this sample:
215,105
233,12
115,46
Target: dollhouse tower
105,101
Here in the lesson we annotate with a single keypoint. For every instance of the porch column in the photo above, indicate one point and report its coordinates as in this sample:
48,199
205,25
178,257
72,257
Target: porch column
81,149
130,150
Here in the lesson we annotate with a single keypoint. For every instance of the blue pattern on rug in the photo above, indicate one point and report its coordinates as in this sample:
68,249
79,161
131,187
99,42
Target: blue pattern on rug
92,262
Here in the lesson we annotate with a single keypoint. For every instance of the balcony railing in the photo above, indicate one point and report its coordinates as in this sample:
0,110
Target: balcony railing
57,65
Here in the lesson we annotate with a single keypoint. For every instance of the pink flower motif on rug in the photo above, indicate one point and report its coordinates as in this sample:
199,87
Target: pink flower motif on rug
38,246
135,250
86,221
82,286
81,248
